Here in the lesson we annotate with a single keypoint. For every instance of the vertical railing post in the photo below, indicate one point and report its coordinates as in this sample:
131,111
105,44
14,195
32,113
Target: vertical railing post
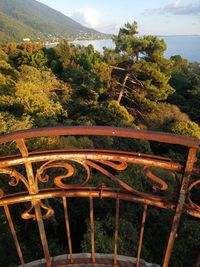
42,232
181,201
12,229
67,228
92,229
116,232
144,215
33,189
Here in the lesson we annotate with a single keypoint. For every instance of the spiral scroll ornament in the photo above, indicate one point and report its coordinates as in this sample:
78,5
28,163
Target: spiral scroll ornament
189,199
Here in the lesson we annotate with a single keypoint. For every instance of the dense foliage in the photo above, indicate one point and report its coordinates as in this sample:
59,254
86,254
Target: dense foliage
131,86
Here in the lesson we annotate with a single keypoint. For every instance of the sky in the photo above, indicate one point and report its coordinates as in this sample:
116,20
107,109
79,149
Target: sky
157,17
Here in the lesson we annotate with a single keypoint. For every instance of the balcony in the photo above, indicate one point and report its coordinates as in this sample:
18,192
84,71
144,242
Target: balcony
34,177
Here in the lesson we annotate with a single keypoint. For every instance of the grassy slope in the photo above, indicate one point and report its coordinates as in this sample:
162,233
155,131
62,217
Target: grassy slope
29,18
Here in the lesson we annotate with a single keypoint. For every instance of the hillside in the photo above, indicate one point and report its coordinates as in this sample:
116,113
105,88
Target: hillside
30,19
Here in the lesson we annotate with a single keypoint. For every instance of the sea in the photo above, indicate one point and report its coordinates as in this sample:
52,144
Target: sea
187,46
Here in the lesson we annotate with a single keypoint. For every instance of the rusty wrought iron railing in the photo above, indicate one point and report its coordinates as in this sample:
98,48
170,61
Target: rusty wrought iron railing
178,200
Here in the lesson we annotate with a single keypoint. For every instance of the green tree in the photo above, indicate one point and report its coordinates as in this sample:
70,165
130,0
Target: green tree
3,55
186,80
38,59
185,128
142,73
164,114
10,123
36,91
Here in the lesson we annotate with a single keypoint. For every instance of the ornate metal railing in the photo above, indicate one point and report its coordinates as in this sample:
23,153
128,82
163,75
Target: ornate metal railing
29,169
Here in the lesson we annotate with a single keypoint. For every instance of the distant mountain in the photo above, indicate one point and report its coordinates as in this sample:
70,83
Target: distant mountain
22,19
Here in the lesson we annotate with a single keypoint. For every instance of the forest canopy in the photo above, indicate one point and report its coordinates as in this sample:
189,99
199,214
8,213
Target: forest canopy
76,85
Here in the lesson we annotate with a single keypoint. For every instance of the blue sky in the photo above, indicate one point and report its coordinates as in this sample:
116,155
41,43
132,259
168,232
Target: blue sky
162,17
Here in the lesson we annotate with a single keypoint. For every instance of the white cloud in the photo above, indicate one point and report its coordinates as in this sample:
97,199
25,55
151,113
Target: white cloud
177,4
109,28
88,16
177,8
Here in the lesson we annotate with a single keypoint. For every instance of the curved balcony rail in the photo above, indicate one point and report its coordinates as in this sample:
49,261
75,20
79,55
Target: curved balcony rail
29,170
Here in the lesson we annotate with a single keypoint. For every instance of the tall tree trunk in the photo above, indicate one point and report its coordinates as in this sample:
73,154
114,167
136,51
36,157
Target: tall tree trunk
122,89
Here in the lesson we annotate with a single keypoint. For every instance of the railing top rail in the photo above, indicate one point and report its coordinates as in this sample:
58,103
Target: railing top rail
102,131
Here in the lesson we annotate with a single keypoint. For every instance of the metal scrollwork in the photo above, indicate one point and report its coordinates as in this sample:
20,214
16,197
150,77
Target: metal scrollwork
15,177
117,164
1,193
122,166
190,202
69,169
28,215
156,179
